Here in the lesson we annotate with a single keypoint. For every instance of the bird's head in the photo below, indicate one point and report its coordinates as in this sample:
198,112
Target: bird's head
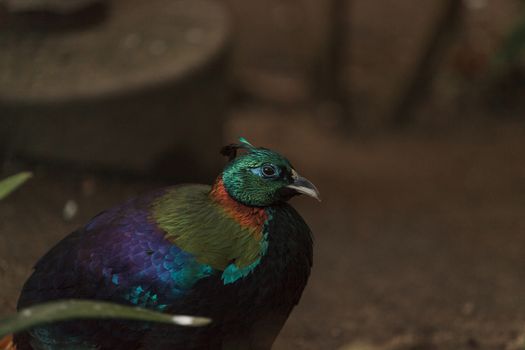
261,177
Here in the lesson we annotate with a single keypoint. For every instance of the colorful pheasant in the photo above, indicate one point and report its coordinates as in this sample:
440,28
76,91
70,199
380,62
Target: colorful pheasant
235,252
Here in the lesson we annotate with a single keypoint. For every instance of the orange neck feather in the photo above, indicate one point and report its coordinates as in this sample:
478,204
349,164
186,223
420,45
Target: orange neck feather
250,217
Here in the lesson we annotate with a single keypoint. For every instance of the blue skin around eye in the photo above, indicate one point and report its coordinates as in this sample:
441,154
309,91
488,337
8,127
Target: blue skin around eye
259,171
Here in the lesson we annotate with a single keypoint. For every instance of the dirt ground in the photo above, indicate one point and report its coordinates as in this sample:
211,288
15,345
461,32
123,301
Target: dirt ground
418,240
419,237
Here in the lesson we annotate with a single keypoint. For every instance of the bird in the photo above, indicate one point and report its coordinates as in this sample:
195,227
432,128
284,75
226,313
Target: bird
235,251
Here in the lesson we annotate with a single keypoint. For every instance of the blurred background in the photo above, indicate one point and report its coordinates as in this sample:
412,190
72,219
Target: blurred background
407,114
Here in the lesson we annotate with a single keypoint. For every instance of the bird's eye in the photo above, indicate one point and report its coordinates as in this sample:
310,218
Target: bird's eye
268,171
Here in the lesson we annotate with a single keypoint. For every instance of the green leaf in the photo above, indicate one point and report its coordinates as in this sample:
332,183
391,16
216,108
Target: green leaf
12,183
85,309
514,45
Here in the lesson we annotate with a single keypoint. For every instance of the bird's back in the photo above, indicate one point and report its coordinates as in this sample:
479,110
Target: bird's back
125,255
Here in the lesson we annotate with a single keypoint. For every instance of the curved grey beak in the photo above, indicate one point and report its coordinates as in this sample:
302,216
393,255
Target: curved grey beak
304,186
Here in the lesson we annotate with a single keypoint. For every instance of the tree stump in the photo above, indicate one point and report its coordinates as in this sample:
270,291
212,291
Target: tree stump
145,87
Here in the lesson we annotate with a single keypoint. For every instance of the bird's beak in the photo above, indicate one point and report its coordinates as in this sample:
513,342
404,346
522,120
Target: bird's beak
304,186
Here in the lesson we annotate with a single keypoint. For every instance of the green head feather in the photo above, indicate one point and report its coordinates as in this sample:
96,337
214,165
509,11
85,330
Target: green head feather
258,176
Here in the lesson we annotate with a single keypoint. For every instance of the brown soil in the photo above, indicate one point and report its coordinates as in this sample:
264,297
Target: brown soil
418,240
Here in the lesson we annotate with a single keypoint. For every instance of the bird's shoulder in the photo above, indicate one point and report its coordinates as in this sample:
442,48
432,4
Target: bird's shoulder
121,254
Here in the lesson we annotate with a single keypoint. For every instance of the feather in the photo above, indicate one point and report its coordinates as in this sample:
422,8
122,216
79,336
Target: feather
234,252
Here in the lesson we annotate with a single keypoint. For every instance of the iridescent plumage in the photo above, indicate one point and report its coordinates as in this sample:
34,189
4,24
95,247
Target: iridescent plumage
234,251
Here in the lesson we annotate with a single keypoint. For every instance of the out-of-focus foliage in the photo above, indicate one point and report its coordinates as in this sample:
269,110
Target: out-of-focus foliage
513,48
86,309
11,183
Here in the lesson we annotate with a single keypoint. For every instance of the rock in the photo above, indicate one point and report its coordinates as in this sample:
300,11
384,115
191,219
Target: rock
70,210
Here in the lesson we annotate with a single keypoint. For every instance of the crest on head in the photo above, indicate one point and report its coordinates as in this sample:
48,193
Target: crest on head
260,176
231,150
